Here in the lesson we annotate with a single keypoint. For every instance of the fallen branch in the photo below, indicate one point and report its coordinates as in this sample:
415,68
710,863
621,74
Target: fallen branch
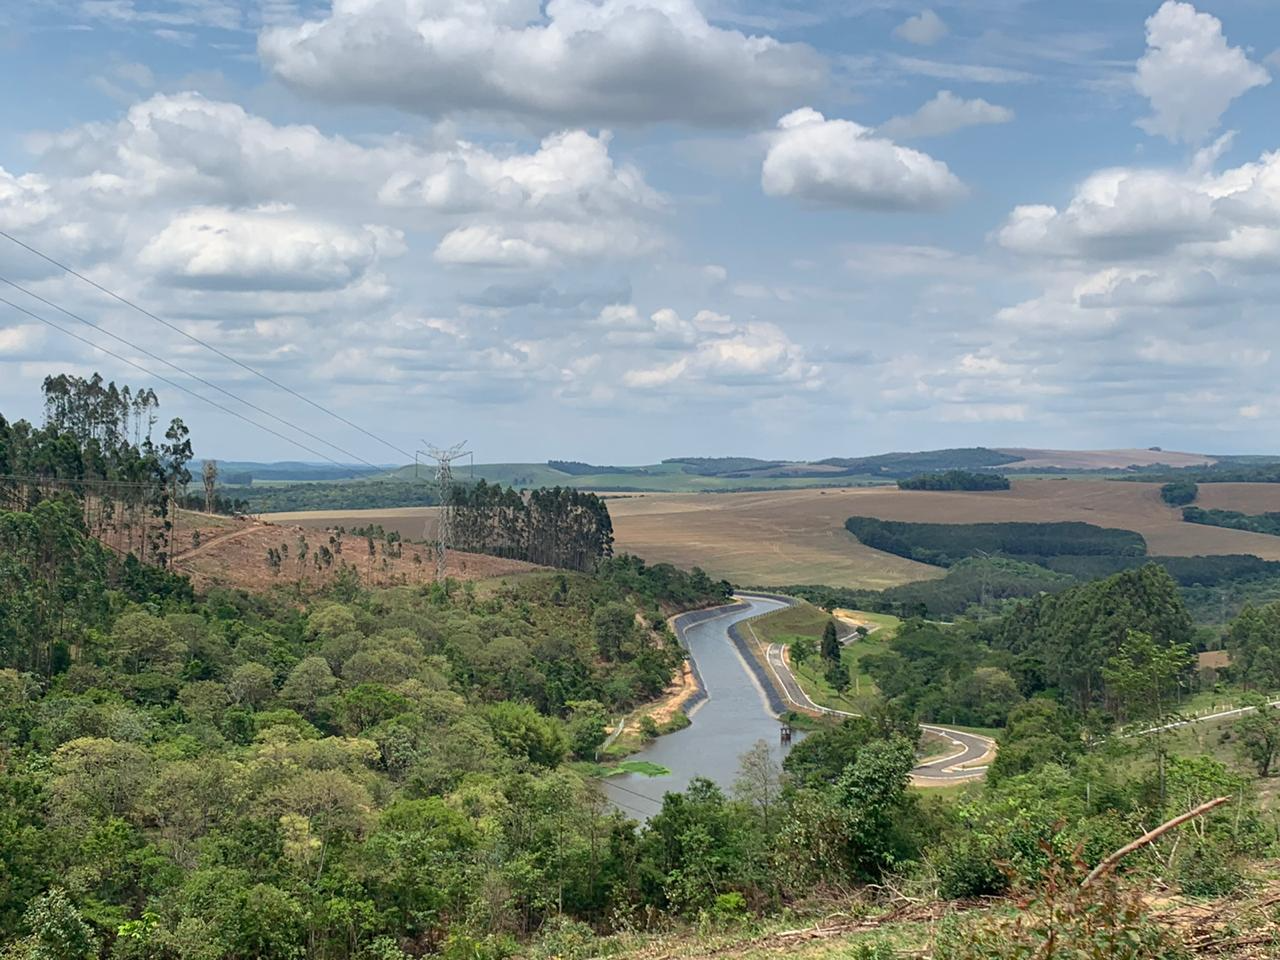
1107,865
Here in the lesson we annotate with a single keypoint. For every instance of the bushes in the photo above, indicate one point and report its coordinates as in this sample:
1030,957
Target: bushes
1179,493
970,866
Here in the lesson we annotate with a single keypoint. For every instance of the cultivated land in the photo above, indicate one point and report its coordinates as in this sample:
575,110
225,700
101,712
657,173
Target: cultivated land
798,536
1245,497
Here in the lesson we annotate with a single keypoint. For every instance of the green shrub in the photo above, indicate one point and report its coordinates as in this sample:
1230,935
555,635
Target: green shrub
1208,870
564,938
970,866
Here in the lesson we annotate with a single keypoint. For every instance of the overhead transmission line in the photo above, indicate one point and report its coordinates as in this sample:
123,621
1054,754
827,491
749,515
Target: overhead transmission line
185,372
172,383
208,346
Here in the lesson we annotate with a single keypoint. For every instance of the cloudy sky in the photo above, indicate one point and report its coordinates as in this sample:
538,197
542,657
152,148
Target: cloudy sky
617,230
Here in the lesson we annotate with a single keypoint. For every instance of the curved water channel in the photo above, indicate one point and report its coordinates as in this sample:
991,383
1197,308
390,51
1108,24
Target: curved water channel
734,715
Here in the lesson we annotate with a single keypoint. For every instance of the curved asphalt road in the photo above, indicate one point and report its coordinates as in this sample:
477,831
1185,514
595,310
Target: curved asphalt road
968,748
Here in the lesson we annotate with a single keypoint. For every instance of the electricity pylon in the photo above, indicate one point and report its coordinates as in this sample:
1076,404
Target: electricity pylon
444,457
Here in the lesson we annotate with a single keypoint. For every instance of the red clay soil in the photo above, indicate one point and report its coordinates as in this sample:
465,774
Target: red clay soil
234,554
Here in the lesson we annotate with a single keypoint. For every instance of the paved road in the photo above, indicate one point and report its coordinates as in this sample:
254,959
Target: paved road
968,748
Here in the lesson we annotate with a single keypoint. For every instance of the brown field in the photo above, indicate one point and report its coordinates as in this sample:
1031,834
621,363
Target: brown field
1245,497
798,536
234,554
1101,459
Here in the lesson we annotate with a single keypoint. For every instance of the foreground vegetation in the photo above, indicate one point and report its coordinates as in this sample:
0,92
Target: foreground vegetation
360,774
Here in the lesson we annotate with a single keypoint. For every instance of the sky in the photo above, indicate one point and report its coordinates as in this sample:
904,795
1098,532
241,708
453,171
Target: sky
621,230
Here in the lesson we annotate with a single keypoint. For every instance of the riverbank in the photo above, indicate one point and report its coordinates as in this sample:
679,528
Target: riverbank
673,710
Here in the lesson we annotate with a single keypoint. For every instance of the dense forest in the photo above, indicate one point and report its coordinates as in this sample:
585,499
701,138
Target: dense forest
955,480
556,527
943,544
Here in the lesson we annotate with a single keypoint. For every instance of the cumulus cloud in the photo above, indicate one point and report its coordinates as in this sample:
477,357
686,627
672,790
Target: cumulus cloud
1130,212
582,62
1190,74
570,173
563,200
25,201
713,349
925,29
945,113
271,249
840,163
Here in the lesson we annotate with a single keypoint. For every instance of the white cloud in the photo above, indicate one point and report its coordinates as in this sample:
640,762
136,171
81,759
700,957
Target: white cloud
567,199
1052,315
21,340
1190,74
270,249
1135,212
840,163
571,173
924,29
714,350
944,114
1182,353
966,72
25,201
544,243
984,412
609,62
1119,287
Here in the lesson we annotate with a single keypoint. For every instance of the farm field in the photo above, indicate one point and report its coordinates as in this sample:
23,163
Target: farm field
1245,497
798,536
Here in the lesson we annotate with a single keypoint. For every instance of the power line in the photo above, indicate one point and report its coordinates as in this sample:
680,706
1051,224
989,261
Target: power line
206,345
172,383
76,481
185,372
634,793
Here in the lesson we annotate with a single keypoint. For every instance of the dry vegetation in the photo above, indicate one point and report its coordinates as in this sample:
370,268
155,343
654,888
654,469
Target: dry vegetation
233,553
798,536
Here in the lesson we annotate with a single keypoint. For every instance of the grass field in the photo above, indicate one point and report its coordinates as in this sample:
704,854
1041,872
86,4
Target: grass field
798,536
664,477
806,620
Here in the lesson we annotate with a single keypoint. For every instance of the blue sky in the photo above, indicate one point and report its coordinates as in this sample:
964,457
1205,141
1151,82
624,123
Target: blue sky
617,230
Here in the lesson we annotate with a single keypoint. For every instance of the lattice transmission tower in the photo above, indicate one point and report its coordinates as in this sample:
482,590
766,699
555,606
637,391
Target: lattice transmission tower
444,457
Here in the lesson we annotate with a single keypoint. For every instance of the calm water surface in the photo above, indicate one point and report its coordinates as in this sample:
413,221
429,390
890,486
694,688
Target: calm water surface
725,725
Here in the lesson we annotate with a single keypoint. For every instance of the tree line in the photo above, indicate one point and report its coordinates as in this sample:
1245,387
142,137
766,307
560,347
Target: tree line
98,444
955,480
553,526
943,544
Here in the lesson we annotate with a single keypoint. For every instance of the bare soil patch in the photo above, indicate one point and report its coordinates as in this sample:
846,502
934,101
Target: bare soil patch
237,557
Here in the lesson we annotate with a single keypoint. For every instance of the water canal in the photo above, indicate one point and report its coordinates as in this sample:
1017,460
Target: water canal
726,724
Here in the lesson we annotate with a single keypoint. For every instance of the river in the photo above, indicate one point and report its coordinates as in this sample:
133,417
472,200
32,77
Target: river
734,715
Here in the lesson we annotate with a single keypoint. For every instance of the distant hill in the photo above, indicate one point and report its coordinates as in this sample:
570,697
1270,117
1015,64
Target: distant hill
242,472
1033,459
354,487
